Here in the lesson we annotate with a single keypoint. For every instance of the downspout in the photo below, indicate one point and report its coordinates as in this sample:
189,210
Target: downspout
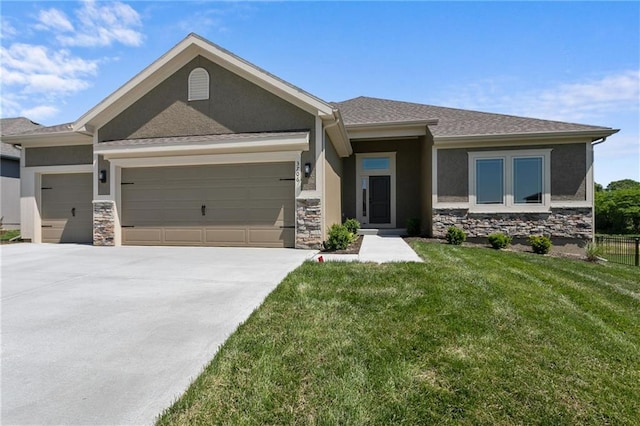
593,215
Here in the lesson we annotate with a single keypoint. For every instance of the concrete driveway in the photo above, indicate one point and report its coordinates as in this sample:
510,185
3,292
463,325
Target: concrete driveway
113,335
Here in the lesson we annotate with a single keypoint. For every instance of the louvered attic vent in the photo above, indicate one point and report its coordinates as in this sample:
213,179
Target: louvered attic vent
198,84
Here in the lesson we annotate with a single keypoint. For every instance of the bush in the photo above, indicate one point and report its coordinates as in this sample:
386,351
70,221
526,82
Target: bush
413,227
593,252
455,236
339,237
499,240
352,225
540,244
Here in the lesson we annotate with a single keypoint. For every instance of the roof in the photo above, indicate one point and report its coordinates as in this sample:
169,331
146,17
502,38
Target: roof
452,122
13,126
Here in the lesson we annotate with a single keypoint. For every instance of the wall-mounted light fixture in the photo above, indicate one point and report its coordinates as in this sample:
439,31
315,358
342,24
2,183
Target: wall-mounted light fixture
307,169
102,176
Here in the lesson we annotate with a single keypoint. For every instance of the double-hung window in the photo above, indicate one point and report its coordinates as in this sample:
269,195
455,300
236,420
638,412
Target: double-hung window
509,180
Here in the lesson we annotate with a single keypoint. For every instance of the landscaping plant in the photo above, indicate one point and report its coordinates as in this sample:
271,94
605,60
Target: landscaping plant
540,244
455,236
593,252
499,240
339,237
352,225
413,227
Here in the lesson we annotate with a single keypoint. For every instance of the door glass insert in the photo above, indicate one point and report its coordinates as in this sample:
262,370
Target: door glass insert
375,163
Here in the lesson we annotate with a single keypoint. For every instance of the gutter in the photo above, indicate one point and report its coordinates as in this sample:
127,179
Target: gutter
336,128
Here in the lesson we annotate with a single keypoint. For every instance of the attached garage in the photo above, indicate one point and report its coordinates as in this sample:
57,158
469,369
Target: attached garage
66,209
213,205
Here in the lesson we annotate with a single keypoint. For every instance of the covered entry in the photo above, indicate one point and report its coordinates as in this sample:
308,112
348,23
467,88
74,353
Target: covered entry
66,209
210,205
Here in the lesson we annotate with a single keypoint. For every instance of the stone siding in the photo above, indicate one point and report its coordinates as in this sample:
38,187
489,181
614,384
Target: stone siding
103,223
308,223
573,223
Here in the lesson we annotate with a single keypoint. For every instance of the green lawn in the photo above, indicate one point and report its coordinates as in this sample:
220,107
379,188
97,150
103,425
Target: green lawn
472,336
7,235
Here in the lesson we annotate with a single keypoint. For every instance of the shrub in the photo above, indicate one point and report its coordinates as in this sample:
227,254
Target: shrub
339,237
413,227
352,225
499,240
593,252
455,236
540,244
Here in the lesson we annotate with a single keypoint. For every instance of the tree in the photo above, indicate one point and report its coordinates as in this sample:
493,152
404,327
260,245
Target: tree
618,211
623,184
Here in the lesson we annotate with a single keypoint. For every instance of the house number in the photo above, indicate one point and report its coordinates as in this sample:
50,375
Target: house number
297,172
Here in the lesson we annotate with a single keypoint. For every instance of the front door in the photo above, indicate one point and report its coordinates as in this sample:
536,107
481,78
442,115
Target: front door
380,199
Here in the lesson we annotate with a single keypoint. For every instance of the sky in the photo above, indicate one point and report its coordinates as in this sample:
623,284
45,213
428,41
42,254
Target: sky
567,61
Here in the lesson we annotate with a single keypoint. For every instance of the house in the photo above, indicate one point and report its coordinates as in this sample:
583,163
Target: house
10,171
204,148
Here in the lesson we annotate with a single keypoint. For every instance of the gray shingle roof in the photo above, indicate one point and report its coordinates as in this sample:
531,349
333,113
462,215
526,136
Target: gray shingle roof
451,121
13,126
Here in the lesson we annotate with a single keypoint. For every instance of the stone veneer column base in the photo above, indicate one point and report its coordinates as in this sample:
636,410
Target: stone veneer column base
308,223
574,223
103,223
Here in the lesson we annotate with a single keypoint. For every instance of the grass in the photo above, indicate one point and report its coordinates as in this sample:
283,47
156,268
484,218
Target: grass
7,235
472,336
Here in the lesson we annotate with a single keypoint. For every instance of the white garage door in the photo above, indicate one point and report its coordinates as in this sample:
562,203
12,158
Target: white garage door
223,205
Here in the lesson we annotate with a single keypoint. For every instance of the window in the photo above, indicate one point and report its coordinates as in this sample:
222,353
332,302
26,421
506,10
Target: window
198,84
375,163
509,180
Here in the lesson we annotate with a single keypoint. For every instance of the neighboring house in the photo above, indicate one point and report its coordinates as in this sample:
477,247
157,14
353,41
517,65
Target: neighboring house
204,148
10,171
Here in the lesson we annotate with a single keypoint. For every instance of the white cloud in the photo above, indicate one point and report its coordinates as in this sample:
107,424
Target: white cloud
101,24
7,30
574,101
38,69
40,112
53,19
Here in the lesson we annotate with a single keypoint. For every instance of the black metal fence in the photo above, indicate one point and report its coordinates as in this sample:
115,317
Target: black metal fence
625,250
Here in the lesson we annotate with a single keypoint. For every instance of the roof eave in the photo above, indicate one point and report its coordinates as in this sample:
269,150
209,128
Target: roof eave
392,129
49,139
593,134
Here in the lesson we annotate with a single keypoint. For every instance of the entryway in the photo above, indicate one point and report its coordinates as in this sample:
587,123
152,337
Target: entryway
376,189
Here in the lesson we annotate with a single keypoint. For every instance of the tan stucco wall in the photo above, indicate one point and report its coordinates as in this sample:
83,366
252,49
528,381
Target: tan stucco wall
235,105
408,175
58,155
426,178
568,171
332,182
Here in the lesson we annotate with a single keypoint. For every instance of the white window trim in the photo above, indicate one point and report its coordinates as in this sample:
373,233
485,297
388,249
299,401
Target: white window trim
360,174
198,95
509,205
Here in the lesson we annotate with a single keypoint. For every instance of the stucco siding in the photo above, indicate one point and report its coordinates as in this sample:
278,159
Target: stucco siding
10,202
408,185
568,172
59,155
453,175
235,105
332,177
104,188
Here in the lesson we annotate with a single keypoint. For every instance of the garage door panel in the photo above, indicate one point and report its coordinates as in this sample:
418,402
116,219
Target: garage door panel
246,204
66,208
228,236
142,236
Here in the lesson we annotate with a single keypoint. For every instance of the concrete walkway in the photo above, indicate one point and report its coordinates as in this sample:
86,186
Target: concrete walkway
377,249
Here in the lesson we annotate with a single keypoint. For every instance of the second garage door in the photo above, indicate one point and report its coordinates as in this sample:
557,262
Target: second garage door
223,205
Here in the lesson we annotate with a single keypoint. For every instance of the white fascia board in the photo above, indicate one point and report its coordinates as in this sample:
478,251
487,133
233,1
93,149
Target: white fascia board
254,145
524,138
390,130
334,126
176,58
49,139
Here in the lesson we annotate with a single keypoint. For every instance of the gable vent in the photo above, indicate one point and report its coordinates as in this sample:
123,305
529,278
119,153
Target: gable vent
198,84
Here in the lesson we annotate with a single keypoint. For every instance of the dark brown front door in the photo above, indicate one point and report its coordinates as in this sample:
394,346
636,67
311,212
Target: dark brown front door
380,199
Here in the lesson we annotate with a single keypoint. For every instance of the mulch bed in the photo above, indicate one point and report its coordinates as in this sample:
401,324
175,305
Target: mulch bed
354,248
